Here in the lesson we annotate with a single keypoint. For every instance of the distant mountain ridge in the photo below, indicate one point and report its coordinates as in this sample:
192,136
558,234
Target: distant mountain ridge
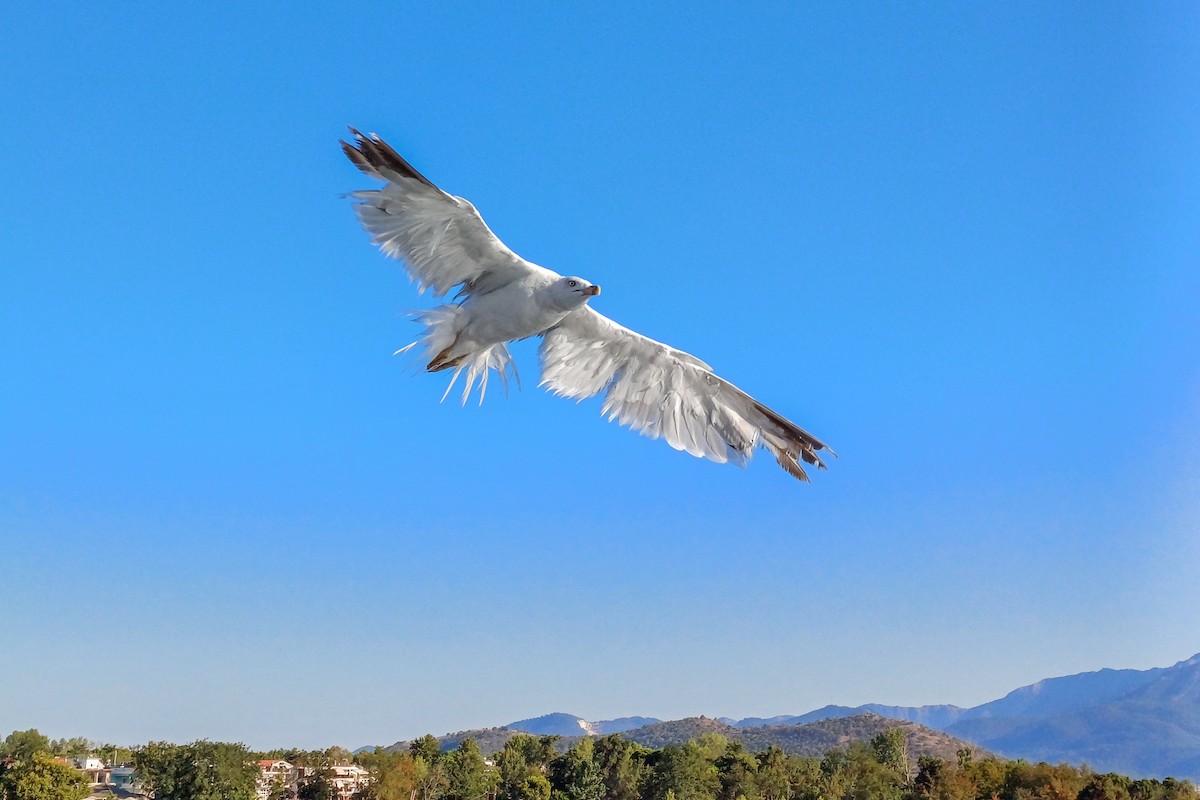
560,724
1139,722
1144,723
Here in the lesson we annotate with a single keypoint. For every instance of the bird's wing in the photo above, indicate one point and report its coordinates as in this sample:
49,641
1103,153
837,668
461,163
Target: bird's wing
662,392
442,239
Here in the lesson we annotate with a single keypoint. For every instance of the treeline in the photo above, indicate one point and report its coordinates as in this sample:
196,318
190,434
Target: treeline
708,767
712,767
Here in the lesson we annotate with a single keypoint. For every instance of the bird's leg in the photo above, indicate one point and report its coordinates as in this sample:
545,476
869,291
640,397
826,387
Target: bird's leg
440,361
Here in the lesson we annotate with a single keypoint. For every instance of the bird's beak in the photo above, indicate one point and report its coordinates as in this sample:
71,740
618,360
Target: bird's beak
592,291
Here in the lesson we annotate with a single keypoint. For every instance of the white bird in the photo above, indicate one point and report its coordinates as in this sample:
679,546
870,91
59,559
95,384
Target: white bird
654,389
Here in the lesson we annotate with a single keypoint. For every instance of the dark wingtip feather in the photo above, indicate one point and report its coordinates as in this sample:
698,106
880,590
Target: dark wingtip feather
791,466
377,155
357,159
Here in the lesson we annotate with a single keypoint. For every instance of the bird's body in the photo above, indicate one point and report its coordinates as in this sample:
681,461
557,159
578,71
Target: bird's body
516,310
655,389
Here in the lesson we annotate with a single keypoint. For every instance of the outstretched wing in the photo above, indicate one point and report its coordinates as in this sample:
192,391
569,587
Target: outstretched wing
659,391
442,239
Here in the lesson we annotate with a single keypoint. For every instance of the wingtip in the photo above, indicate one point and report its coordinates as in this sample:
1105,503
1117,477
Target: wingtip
372,155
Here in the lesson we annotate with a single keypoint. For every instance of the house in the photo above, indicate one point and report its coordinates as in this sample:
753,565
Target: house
349,779
122,778
275,775
93,769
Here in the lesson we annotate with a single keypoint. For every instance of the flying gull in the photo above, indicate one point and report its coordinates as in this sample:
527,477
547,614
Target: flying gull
648,386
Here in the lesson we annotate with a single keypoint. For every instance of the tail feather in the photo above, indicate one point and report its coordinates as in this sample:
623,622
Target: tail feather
438,341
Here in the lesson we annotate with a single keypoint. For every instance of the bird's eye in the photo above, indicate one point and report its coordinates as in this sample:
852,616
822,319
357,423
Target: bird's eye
572,283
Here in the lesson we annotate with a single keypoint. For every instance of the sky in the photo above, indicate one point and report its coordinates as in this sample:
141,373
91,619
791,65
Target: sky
957,242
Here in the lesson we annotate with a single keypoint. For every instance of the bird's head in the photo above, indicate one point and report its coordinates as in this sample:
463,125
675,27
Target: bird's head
572,292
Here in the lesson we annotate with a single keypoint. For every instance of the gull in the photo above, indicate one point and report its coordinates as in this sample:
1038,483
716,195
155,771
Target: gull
650,387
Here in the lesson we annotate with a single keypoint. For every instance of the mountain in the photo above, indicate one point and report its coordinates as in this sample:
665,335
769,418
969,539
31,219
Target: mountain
1144,723
812,739
1059,695
621,724
1138,722
557,724
1152,729
560,724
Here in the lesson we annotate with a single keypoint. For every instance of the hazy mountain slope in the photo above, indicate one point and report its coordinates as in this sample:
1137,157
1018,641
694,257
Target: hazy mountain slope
621,724
1153,730
1052,696
557,724
1145,723
938,716
817,738
812,740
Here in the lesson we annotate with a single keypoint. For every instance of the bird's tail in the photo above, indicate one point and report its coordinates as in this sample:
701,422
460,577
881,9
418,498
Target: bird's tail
445,350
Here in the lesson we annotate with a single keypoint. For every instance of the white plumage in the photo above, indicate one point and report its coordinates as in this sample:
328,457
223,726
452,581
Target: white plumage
648,386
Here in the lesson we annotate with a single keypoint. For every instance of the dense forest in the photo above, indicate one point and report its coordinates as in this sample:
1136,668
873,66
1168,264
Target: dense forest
708,767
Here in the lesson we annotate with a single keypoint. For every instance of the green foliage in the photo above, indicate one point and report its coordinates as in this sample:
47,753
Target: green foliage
890,749
576,775
737,769
685,772
75,747
777,773
713,765
317,786
202,770
1106,787
523,763
38,776
467,775
402,775
427,748
21,745
622,767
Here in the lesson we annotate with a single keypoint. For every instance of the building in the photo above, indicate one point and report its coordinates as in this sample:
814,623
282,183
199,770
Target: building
348,779
278,776
122,778
93,769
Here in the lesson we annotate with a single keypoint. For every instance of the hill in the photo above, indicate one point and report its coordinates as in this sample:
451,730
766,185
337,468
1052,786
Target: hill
559,724
812,739
1144,723
1151,729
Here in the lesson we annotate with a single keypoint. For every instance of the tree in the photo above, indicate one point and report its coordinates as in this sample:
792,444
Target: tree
523,763
774,777
397,776
685,772
856,774
890,748
75,747
427,748
21,745
467,775
202,770
41,777
575,775
622,767
1106,787
738,772
317,786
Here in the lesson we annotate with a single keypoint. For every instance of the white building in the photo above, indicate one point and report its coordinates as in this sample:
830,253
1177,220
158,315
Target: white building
275,774
348,779
93,769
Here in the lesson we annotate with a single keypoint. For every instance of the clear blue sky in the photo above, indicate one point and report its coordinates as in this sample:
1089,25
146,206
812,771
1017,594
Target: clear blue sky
959,242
